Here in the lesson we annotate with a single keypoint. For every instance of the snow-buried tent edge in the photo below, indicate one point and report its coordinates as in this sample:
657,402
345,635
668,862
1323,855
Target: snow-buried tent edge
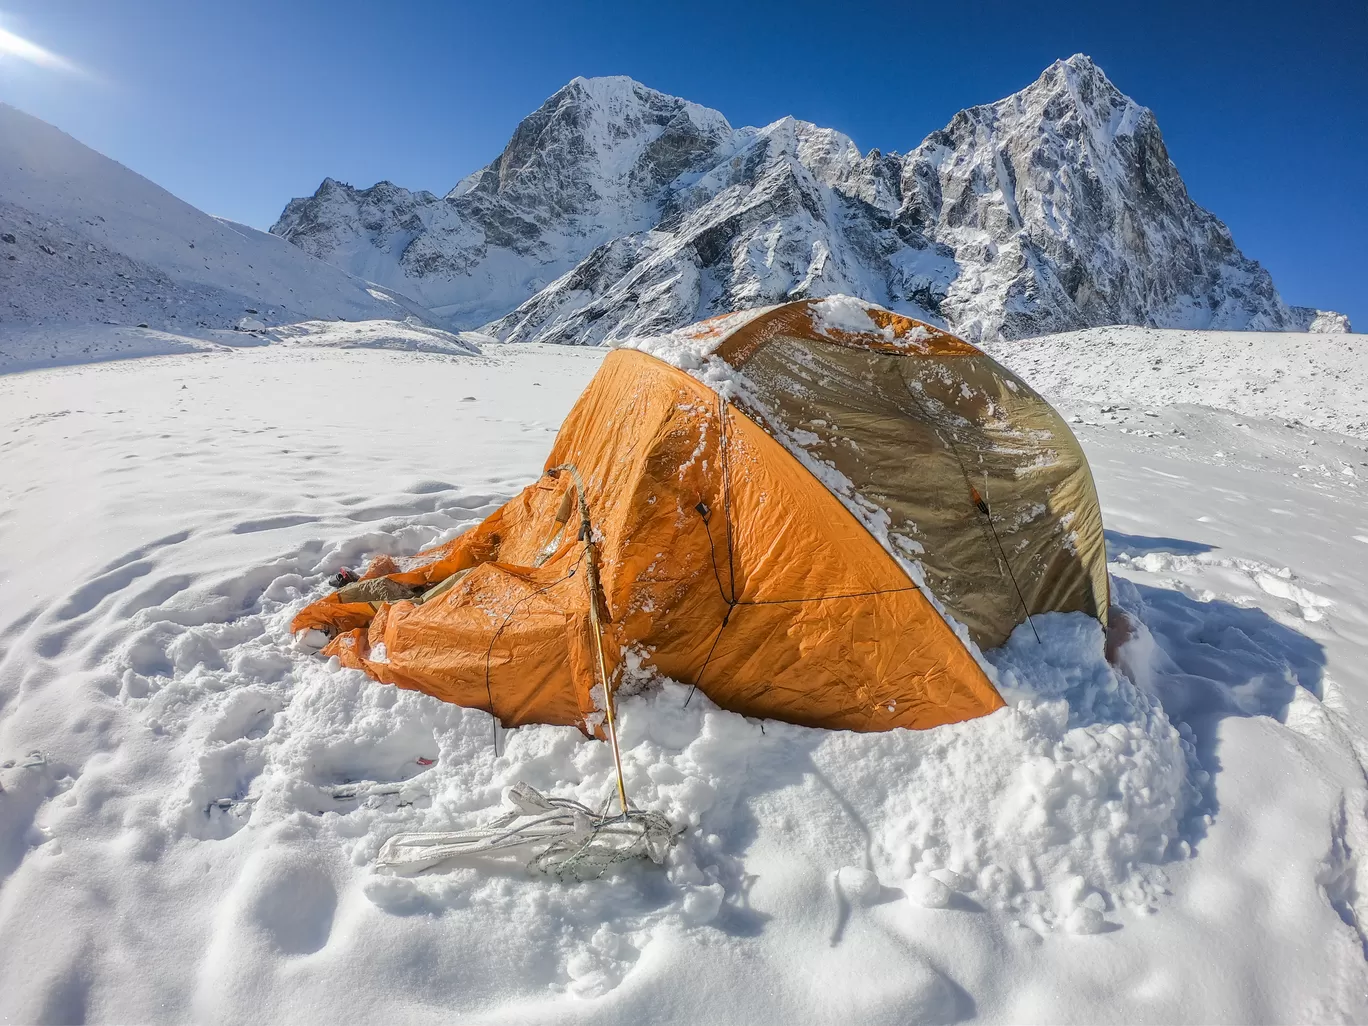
736,526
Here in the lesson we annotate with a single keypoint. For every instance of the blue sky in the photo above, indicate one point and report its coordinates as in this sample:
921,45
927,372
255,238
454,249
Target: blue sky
238,106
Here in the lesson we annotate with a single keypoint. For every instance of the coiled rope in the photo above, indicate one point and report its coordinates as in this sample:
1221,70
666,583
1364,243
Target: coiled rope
557,836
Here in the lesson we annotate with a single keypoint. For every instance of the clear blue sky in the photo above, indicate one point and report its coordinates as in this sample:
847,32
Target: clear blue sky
238,106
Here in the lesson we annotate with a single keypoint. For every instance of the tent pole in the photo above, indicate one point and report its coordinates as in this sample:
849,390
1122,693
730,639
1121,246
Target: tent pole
592,581
982,506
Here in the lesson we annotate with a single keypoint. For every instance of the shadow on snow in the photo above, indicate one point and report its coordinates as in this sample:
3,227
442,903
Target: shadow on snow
1206,660
1119,544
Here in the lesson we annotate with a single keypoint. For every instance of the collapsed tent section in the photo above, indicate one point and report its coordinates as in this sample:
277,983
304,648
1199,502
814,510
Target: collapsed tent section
798,524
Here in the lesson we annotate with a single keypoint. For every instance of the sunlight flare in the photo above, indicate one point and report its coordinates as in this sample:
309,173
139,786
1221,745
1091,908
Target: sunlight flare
17,47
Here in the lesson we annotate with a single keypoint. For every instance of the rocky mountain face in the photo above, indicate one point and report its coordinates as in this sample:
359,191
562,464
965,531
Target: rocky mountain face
616,210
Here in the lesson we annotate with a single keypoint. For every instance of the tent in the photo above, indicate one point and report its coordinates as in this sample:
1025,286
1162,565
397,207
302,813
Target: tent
813,512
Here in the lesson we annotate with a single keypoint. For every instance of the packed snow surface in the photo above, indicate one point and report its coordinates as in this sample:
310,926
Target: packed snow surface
192,799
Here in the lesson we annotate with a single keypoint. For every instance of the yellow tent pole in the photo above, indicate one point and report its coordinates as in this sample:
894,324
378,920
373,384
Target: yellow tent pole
592,581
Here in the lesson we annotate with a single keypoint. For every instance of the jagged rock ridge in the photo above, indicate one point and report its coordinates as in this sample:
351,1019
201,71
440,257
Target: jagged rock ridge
616,210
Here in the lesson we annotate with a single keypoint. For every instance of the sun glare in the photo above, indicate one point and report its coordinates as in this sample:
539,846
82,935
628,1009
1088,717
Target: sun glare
14,47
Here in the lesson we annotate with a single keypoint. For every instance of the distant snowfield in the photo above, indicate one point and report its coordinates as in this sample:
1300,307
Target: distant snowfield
1316,379
191,802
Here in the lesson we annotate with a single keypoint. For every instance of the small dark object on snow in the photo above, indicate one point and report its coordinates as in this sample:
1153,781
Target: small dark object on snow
342,578
8,237
143,325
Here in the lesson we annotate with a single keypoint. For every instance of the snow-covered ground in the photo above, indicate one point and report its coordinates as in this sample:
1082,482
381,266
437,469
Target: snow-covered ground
192,802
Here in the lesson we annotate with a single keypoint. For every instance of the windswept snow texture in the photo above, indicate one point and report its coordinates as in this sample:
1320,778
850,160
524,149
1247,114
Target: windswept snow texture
192,799
84,239
617,211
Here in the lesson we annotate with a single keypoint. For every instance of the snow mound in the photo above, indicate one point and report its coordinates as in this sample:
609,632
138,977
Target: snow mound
1322,322
689,348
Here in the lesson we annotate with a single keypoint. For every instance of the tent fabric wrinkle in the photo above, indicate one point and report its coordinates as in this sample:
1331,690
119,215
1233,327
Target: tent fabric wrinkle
794,530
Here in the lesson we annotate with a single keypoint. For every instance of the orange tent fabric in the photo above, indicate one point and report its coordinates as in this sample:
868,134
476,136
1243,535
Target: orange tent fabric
724,562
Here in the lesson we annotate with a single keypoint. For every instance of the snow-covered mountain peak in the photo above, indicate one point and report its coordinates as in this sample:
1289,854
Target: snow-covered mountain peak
616,208
1077,90
1087,82
1071,103
611,129
1062,204
827,153
1075,82
618,96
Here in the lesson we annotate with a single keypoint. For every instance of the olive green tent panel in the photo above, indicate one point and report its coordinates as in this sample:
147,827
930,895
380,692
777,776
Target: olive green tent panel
909,437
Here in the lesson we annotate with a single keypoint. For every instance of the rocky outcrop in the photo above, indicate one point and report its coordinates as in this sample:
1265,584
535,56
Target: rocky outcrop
1320,322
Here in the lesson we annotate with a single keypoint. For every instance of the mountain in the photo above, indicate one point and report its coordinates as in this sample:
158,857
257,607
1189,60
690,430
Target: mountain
616,210
84,239
593,164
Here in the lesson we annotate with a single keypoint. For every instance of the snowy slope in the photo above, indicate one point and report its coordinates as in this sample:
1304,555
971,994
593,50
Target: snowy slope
1177,845
616,210
84,239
